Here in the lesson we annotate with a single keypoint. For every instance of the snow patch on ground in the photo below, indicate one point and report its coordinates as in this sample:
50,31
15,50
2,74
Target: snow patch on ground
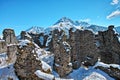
45,66
46,76
8,72
45,56
89,74
3,60
106,65
95,76
23,42
43,75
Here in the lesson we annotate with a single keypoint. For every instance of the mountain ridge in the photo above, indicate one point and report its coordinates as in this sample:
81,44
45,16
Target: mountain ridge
66,22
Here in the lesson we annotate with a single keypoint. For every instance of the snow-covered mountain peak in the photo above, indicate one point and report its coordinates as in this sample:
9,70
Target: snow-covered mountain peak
35,30
64,20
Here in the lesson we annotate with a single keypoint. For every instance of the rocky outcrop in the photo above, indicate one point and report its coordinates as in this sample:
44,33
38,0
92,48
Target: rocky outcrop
26,63
109,46
9,36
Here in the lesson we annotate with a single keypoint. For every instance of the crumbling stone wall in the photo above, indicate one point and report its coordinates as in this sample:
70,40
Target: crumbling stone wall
83,48
26,63
109,46
11,53
61,49
9,36
3,46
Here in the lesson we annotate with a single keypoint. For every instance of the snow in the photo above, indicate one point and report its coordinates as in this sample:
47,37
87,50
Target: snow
48,40
65,26
115,31
41,39
62,79
23,42
79,28
35,30
95,76
45,56
66,46
70,64
45,66
2,40
97,43
28,35
36,45
57,65
3,58
44,76
74,29
89,74
106,65
11,44
8,72
1,37
119,39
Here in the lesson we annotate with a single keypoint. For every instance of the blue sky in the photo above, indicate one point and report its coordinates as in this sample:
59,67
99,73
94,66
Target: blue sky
23,14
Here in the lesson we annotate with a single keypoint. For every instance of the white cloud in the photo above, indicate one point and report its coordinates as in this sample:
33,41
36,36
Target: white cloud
86,20
114,2
114,14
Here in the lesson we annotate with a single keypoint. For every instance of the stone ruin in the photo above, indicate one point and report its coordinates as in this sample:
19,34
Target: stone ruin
81,48
109,48
61,49
8,45
85,48
26,63
3,46
9,36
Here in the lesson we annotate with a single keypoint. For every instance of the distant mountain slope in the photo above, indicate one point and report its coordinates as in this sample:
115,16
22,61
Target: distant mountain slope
66,23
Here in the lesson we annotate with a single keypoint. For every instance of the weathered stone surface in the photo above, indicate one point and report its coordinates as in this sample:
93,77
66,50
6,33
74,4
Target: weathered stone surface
9,36
24,35
113,72
11,53
109,47
3,46
83,48
61,49
26,63
39,39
